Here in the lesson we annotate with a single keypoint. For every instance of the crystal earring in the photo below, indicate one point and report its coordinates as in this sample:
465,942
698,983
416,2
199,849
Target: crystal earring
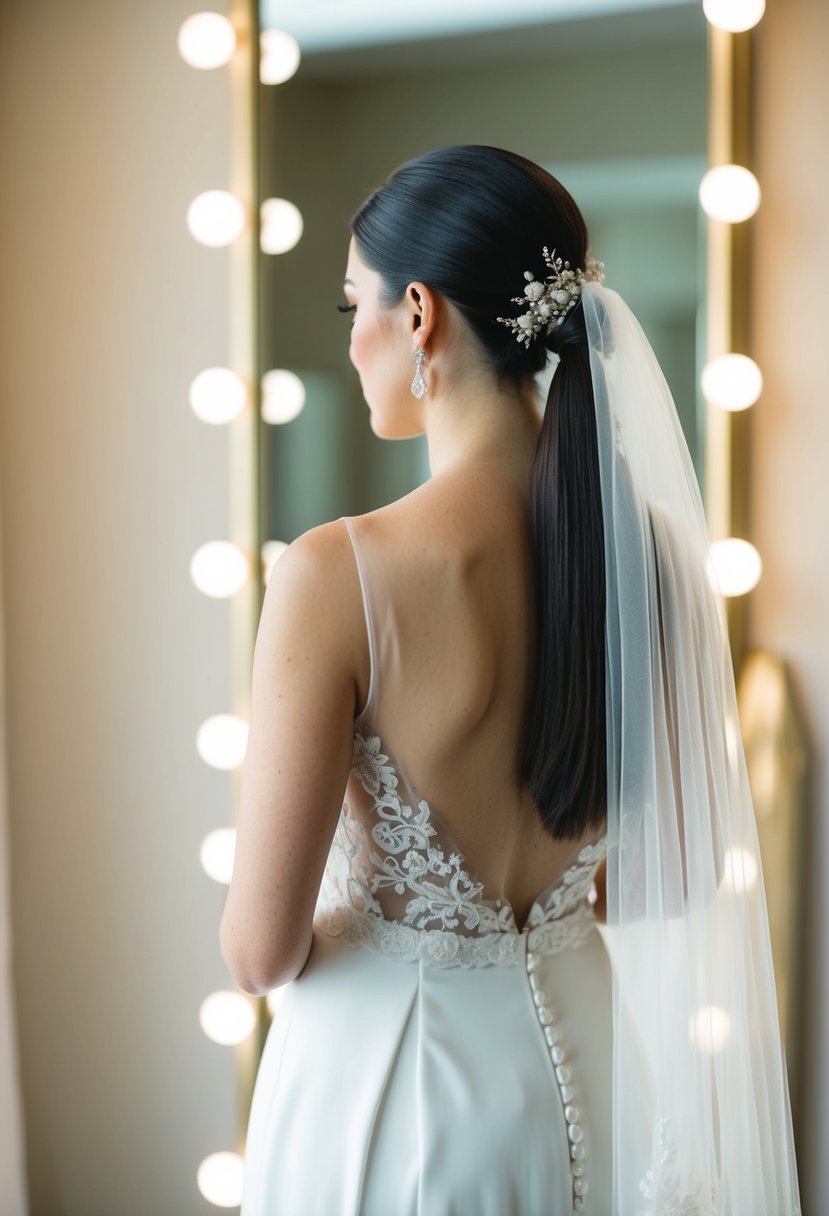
419,385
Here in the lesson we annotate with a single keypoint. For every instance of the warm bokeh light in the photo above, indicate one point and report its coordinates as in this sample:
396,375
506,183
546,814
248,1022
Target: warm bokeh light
737,566
739,870
710,1029
218,395
215,218
227,1017
283,396
730,193
272,550
216,854
734,15
732,382
219,568
206,40
219,1178
279,56
222,741
281,225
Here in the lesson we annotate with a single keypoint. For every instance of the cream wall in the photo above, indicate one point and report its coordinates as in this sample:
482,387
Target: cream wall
790,486
108,485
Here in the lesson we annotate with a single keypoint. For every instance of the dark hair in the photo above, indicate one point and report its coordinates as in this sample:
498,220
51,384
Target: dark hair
468,221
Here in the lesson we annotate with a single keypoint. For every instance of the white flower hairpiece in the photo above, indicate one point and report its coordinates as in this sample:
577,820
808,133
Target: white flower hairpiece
551,300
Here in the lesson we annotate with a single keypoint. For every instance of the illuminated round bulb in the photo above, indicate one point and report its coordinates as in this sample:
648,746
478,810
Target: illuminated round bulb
710,1029
729,193
227,1017
734,15
272,550
279,56
217,852
206,40
222,741
215,217
219,568
281,225
740,870
737,566
219,1178
732,382
283,396
218,395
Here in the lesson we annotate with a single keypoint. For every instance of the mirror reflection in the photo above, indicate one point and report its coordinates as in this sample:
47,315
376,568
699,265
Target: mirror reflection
613,104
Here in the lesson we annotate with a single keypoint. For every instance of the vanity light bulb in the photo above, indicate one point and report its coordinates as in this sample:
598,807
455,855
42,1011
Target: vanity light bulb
281,225
206,40
283,396
732,382
739,870
710,1029
222,741
227,1017
215,218
219,569
272,550
279,56
218,395
216,854
734,15
736,566
219,1178
730,193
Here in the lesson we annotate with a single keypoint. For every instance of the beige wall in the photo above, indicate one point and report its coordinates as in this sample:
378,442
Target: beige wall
113,658
790,485
108,484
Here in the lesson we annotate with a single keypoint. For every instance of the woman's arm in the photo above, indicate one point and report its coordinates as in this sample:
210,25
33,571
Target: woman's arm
311,647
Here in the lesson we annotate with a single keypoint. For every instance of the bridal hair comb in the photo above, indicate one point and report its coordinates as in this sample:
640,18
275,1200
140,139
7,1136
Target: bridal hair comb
550,301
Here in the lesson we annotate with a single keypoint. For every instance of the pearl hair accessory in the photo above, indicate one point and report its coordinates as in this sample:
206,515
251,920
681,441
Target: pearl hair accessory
551,300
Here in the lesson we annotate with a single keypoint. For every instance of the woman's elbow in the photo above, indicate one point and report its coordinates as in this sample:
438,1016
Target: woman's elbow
255,972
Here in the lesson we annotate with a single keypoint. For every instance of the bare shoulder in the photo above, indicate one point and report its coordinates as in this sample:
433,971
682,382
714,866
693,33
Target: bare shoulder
314,598
445,511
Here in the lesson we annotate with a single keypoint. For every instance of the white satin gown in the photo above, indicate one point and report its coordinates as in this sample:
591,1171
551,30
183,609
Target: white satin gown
433,1058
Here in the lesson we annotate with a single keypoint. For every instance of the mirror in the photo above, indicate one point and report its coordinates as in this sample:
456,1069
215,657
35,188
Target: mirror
613,103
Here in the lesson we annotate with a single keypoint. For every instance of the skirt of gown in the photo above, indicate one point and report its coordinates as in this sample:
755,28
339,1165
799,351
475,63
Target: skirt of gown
397,1088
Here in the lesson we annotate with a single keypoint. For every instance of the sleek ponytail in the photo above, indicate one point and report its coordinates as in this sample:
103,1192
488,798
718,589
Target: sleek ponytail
468,221
565,758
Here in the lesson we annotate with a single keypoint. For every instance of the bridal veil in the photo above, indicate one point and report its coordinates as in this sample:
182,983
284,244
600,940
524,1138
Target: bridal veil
697,1046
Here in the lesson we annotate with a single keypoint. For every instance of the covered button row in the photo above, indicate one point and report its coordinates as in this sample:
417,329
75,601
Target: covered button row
575,1134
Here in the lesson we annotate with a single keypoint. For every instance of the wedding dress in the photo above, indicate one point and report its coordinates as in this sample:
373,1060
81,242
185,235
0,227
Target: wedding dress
433,1058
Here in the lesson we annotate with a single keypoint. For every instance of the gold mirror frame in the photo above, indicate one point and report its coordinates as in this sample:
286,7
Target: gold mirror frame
772,733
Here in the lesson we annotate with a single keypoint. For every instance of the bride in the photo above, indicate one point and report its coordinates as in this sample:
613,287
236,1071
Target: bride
495,797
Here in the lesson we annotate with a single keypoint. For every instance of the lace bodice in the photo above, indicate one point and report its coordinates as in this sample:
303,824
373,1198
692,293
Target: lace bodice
396,879
397,882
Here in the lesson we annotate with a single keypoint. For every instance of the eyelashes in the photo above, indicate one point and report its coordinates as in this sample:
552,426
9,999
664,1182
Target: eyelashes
346,308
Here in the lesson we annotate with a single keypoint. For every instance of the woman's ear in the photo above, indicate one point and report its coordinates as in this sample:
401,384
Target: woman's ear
422,306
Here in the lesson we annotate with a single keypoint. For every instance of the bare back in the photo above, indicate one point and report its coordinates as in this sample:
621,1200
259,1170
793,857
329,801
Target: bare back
448,579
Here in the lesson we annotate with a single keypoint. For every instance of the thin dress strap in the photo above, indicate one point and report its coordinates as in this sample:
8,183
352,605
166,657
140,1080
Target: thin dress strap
379,614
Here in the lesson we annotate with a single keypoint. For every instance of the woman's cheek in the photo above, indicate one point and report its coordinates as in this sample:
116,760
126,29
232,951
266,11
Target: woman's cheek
359,348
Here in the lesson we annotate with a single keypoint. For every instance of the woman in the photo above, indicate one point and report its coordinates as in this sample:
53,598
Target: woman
463,703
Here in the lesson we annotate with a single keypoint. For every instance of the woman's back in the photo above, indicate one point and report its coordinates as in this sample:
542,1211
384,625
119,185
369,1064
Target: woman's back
448,574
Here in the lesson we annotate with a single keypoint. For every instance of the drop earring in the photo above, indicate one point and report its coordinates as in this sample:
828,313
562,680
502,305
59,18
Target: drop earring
419,385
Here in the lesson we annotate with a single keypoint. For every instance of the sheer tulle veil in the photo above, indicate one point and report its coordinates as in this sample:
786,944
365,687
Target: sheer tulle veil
701,1113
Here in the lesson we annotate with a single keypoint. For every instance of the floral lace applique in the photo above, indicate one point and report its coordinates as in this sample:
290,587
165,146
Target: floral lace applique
662,1185
399,853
